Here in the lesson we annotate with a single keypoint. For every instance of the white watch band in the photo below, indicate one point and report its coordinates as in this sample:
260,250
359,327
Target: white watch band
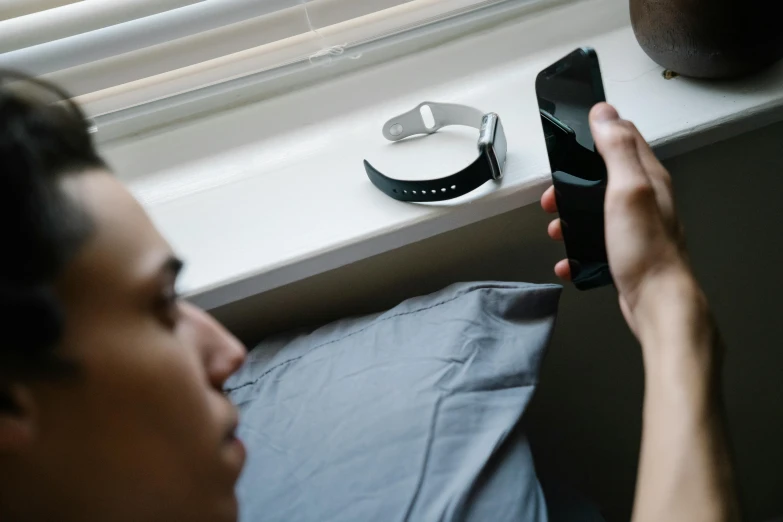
444,114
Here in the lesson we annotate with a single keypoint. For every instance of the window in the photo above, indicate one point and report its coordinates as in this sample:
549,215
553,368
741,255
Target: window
113,55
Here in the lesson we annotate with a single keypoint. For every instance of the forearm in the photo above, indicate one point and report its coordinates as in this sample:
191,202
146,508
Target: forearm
685,471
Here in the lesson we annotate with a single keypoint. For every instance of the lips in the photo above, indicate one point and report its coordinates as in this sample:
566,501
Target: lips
231,432
234,445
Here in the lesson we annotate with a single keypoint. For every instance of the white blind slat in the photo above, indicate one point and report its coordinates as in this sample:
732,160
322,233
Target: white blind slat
324,13
13,8
137,34
82,17
184,52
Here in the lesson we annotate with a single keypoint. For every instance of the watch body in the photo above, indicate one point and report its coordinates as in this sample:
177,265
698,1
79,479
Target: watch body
493,140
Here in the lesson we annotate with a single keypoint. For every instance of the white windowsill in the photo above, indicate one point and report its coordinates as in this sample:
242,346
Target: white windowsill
270,193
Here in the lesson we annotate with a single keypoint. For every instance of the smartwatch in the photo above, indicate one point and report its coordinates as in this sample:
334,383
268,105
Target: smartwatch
489,165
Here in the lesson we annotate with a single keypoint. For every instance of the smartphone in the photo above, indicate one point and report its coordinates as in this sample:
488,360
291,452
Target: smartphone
567,91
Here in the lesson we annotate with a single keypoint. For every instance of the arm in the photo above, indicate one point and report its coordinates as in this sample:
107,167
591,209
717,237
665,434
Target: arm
685,469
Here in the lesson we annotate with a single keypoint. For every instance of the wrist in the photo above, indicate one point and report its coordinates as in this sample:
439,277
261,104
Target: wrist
672,313
680,344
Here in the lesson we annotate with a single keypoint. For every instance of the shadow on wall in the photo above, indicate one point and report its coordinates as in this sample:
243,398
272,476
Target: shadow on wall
585,421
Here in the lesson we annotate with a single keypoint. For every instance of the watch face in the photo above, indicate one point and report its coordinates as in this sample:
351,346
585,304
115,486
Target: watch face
500,145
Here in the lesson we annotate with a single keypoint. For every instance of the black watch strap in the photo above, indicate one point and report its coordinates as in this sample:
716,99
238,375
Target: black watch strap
459,184
412,123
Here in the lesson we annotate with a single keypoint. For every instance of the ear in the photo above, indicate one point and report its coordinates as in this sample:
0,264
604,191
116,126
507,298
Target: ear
17,416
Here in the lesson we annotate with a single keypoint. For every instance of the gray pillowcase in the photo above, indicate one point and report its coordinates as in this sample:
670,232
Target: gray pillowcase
413,414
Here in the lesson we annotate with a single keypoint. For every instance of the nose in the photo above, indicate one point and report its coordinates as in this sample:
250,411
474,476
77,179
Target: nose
222,353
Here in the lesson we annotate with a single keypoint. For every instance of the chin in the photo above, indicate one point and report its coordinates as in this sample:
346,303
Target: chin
225,509
230,513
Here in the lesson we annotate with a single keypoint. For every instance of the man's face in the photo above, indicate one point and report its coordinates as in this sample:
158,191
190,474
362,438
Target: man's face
142,432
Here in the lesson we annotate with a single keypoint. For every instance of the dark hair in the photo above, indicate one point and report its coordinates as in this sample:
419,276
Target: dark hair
43,138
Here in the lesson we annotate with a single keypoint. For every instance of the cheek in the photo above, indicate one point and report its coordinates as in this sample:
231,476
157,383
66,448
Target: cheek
146,410
159,378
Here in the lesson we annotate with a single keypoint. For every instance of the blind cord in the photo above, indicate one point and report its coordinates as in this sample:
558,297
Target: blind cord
324,56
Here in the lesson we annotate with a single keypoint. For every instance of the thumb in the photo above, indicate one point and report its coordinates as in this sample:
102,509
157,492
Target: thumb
615,140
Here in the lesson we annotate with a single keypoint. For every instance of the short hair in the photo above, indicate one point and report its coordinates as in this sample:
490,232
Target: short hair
44,137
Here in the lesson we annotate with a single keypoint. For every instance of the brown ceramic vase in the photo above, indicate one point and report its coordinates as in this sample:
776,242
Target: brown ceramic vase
710,38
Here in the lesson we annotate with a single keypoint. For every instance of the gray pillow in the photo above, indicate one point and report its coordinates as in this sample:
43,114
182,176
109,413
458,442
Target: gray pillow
413,414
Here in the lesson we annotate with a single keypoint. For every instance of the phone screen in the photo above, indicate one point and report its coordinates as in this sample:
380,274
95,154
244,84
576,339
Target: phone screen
566,92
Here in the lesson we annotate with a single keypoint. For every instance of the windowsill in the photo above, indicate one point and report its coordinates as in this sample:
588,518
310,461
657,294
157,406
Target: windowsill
271,193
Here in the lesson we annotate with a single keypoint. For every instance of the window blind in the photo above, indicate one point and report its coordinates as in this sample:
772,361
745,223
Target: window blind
113,54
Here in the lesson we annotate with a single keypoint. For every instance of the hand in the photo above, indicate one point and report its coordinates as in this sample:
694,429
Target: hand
644,239
685,470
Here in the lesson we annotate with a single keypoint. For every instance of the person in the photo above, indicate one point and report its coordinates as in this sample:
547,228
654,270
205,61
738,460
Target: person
110,385
111,403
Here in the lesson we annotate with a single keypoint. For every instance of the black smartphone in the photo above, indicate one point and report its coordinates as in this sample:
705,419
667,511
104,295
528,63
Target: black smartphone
567,91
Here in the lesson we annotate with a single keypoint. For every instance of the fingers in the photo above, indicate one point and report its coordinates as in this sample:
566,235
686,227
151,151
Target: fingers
630,191
548,202
635,173
563,270
658,175
649,161
555,230
616,142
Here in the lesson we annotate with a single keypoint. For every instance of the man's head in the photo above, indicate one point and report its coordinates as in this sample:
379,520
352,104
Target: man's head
110,387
